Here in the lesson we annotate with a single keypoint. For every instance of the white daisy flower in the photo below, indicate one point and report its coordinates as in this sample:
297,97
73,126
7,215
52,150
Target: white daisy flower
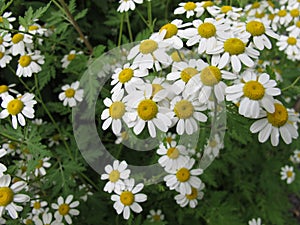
255,91
46,220
206,33
225,11
12,148
168,137
293,4
190,8
3,168
213,146
115,175
34,29
128,198
37,205
30,63
66,60
40,169
71,95
256,8
20,41
155,215
18,108
86,189
287,173
5,39
274,125
294,30
289,44
121,137
296,156
126,5
144,109
9,196
151,51
5,58
6,20
255,221
65,209
129,77
281,18
187,111
183,179
173,156
190,199
5,89
29,219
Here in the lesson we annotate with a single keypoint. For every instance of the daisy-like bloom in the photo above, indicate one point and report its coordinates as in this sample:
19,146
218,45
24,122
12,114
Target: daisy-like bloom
173,156
289,44
190,8
281,18
255,222
168,137
213,146
9,196
29,64
12,148
206,33
150,52
287,173
65,209
259,30
256,8
295,158
225,11
46,220
37,205
19,42
155,215
5,58
29,219
128,198
209,81
40,168
34,29
3,168
279,123
183,179
294,30
86,189
6,20
122,136
190,199
66,60
187,110
18,108
129,77
71,95
115,112
5,39
5,89
255,91
115,175
126,5
145,109
234,51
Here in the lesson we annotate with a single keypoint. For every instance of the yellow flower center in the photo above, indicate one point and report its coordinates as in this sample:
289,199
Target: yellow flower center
176,56
255,28
33,27
15,106
124,135
291,41
1,40
212,143
210,75
3,88
114,176
6,196
259,15
207,30
255,5
254,90
170,139
63,209
127,198
148,46
183,174
12,146
156,88
271,17
289,173
70,92
29,222
173,153
282,13
184,109
40,164
188,73
156,217
298,24
1,19
1,55
17,38
234,46
71,57
193,195
171,30
189,6
56,137
37,205
147,109
226,8
117,110
25,60
207,4
295,13
279,117
125,75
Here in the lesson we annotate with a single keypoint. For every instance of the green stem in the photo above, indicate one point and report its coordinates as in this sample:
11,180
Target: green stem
121,30
292,85
142,18
9,137
149,10
90,181
129,27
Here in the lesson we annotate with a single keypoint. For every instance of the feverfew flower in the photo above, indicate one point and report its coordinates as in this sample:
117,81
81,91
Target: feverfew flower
2,166
19,42
71,94
125,5
5,89
18,108
6,19
5,39
296,156
65,209
155,215
255,222
40,168
66,60
29,64
225,11
190,199
5,58
289,44
46,220
190,8
9,196
128,198
116,175
287,173
37,205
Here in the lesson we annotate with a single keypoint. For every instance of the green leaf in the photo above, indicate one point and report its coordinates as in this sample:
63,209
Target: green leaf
81,14
98,50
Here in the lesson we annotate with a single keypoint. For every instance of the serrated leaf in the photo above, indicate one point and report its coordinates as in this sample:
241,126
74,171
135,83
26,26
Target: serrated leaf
81,14
98,50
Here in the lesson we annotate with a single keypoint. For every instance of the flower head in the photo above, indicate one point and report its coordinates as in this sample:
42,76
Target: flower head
71,95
